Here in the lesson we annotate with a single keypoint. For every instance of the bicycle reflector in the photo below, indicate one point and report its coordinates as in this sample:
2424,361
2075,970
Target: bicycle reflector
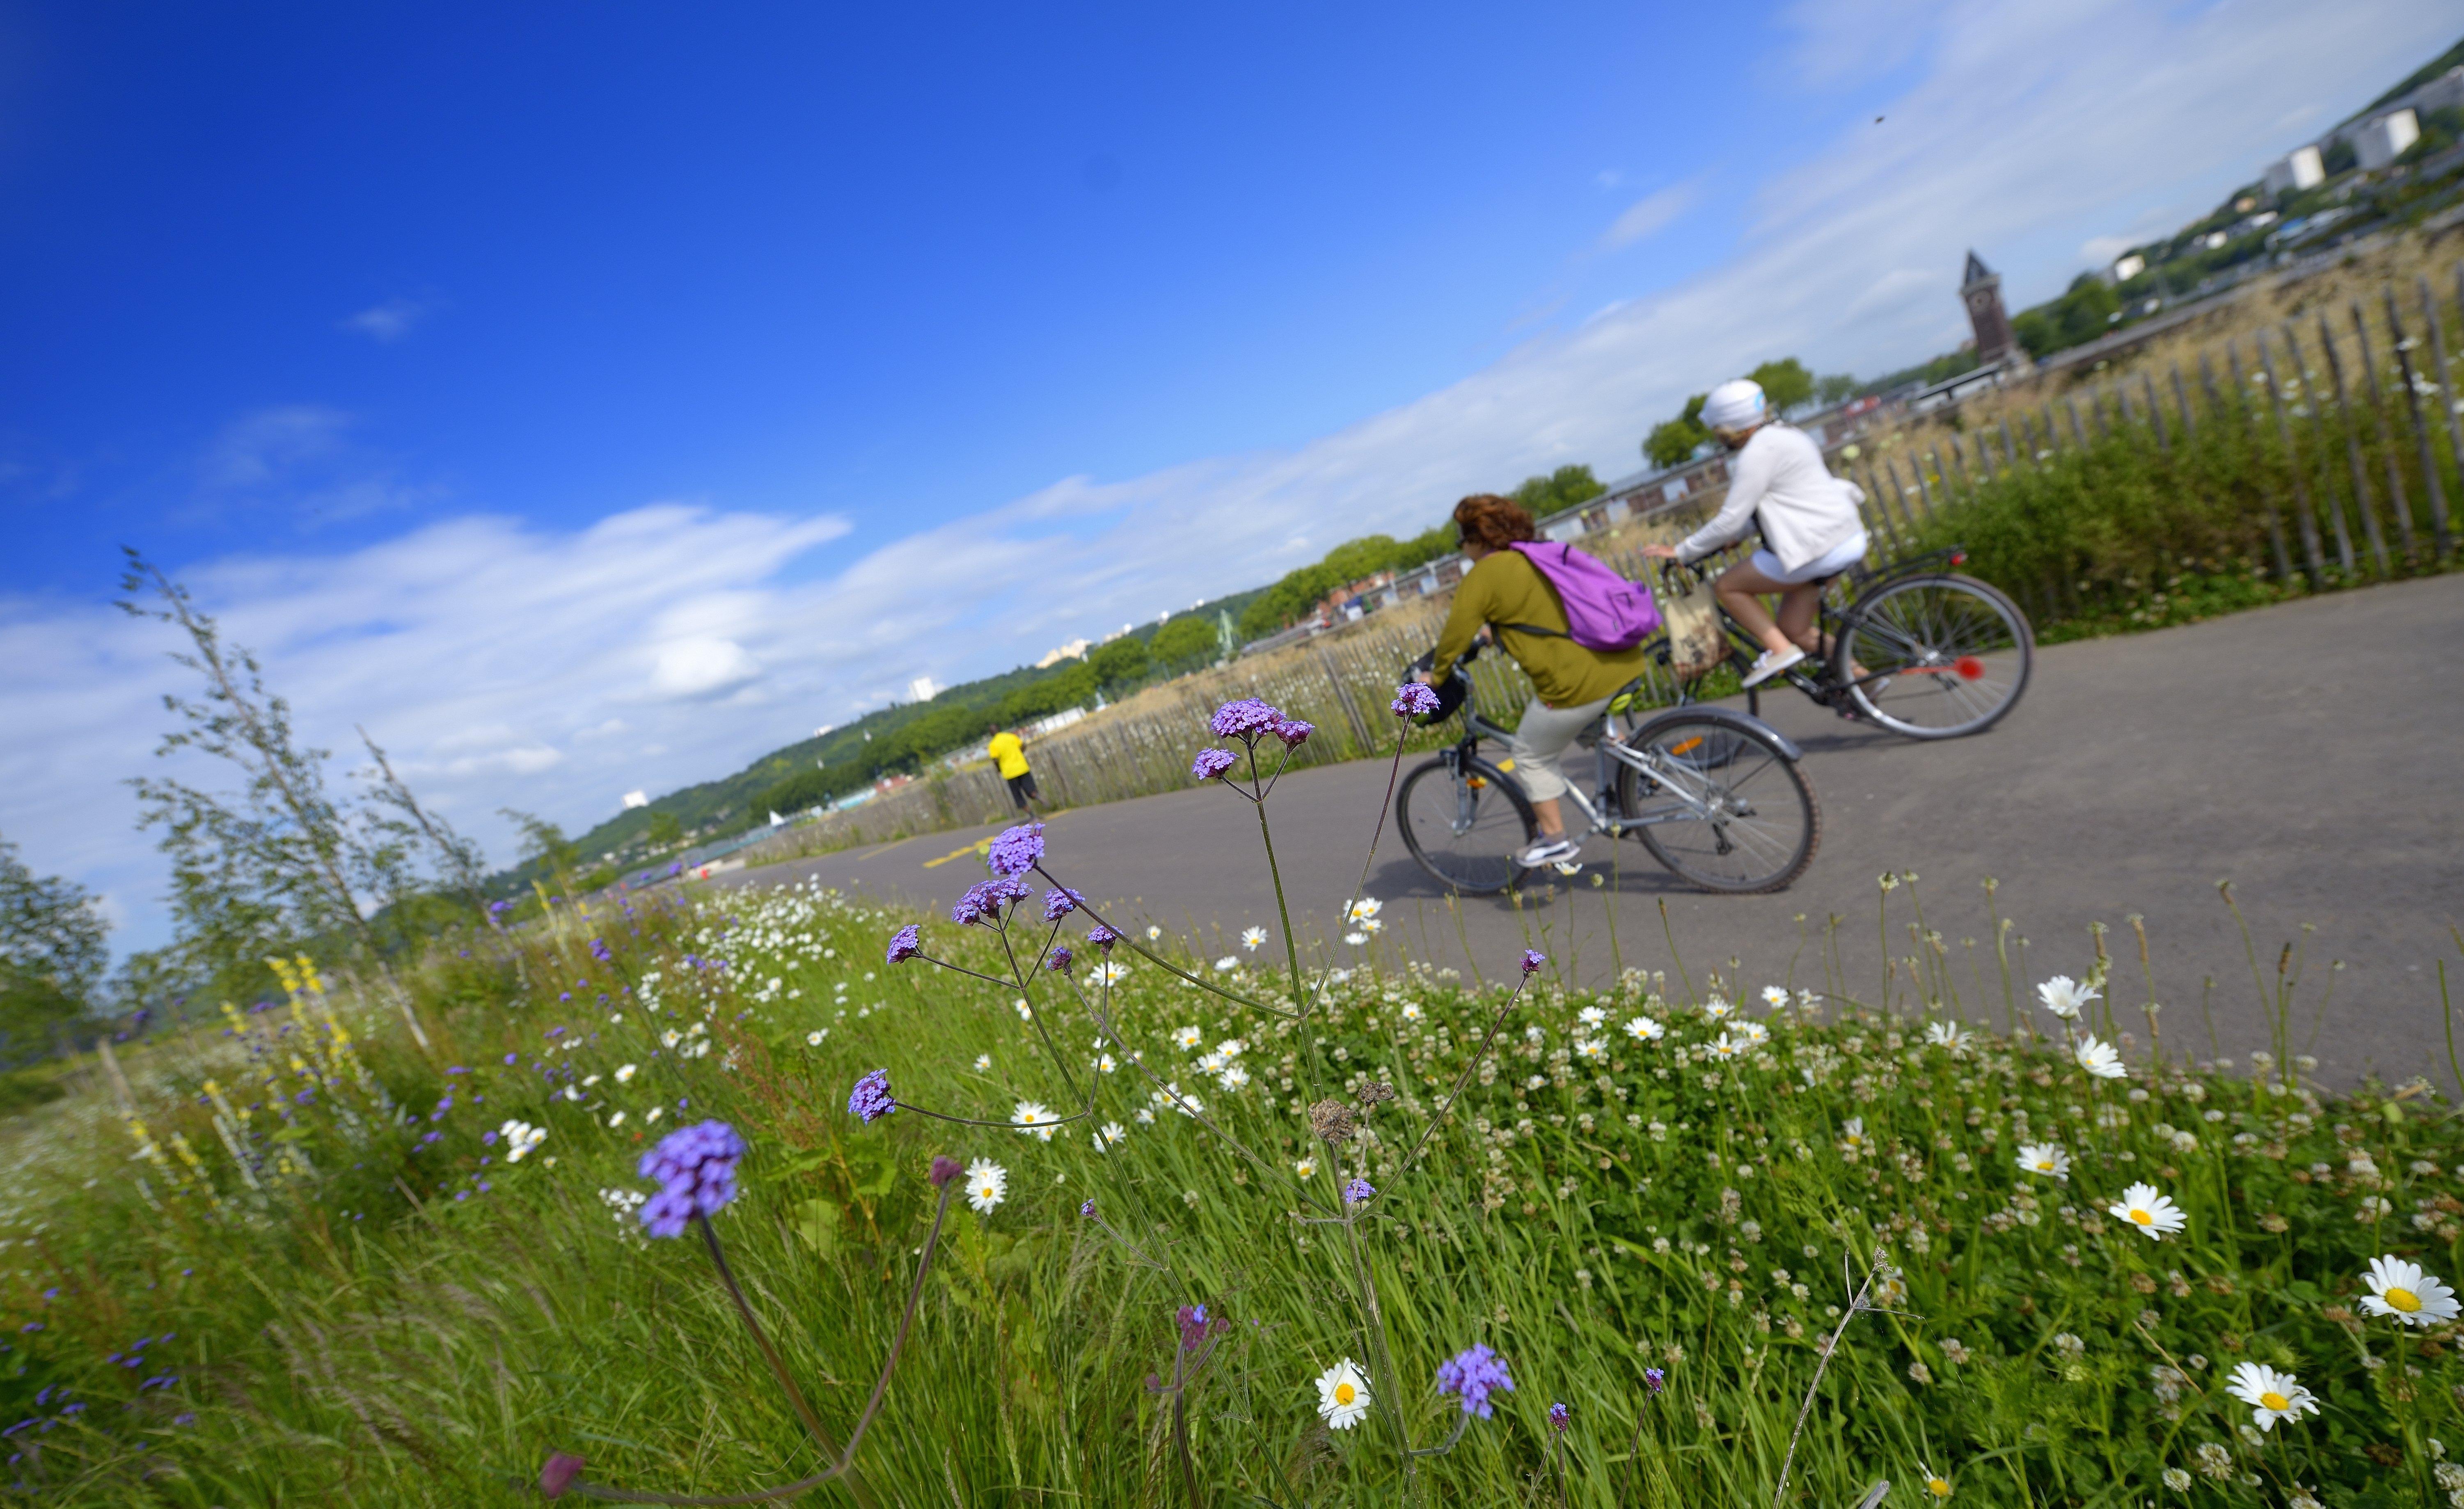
1959,558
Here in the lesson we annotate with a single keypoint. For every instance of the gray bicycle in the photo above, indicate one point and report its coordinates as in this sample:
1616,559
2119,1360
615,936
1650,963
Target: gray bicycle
1718,797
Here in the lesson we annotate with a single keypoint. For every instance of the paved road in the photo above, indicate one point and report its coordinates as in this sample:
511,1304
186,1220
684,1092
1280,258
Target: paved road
2312,753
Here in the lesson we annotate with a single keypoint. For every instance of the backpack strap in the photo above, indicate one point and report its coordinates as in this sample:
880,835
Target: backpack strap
1535,628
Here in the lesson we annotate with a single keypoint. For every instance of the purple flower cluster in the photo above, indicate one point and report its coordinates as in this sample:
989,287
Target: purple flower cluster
1293,732
1102,937
1560,1416
905,944
1358,1193
1059,902
1197,1325
1532,960
695,1169
1475,1373
1212,763
1017,849
870,1100
1058,960
598,952
945,1170
1246,719
985,898
1655,1378
1414,699
1088,1210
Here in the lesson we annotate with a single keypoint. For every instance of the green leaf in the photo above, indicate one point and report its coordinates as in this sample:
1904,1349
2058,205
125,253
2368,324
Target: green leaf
817,1222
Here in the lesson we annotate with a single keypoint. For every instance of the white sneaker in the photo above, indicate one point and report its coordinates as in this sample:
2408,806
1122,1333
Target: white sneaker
1548,850
1770,665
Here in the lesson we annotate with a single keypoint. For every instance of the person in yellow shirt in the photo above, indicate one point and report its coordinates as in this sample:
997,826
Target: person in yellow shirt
1009,755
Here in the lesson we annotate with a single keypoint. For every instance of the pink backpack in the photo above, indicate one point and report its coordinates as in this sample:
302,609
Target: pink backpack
1603,610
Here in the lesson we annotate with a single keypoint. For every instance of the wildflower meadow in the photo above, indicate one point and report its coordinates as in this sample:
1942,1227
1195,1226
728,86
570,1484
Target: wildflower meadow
691,1197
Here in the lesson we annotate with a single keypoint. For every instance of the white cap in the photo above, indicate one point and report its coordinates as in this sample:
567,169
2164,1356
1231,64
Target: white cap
1735,404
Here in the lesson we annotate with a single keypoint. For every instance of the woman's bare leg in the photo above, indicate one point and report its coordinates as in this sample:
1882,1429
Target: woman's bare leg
1740,590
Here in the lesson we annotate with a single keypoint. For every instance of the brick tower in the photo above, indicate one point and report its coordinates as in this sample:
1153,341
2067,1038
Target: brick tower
1981,291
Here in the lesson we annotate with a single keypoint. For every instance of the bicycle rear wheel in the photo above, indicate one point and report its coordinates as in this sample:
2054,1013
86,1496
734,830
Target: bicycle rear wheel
1466,826
1956,654
1726,808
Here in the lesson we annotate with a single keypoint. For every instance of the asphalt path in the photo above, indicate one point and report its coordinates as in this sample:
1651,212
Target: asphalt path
2312,753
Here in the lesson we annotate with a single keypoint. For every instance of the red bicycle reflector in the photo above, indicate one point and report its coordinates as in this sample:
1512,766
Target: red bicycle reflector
1959,558
1970,668
1687,745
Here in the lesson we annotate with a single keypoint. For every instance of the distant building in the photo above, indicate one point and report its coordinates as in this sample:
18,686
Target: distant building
2380,142
1075,650
1981,291
2126,267
634,799
2297,169
923,689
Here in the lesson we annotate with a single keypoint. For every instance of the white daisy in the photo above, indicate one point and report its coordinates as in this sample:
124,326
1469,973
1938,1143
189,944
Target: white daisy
1356,939
2271,1395
2099,1059
1233,1077
1934,1482
1411,1011
1306,1168
617,1119
1025,1013
1188,1037
2152,1213
655,1112
2045,1158
1717,1009
625,1072
1643,1030
1591,1017
1775,996
1595,1049
1108,1133
1231,1048
520,1136
1106,1063
987,1184
2063,996
1725,1047
1342,1396
1111,971
670,1037
1947,1034
1209,1063
1853,1138
1362,910
813,1039
983,1063
1252,937
1153,932
1752,1034
2408,1292
588,1080
1229,962
1033,1116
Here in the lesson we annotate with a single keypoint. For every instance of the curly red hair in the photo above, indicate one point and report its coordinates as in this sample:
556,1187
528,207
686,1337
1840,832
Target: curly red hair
1493,522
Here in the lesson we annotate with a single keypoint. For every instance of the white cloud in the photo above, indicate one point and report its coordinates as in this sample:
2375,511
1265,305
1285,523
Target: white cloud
260,448
390,321
510,665
1650,216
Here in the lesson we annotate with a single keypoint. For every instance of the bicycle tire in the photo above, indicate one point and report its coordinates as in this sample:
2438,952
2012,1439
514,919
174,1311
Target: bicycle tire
1783,829
1474,866
1957,652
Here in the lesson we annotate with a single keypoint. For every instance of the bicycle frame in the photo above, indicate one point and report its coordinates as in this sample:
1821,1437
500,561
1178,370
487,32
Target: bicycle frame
1672,777
1831,626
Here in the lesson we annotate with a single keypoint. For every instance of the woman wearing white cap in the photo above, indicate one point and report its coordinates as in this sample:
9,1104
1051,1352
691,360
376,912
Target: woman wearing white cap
1778,487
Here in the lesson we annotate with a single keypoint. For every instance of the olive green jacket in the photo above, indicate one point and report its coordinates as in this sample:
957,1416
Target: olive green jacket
1505,588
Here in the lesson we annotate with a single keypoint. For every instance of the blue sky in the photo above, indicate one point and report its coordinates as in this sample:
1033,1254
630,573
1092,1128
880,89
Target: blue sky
591,398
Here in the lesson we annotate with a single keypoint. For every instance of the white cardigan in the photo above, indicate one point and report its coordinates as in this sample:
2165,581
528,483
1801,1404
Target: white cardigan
1804,510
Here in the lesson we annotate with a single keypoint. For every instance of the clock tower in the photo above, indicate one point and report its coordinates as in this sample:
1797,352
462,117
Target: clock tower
1981,290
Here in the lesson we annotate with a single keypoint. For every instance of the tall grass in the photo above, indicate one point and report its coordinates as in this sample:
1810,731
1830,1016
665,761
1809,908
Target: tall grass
295,1265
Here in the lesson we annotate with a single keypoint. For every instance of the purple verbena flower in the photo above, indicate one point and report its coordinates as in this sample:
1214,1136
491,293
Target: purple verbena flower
1559,1417
1414,699
905,944
1245,719
945,1170
1357,1192
870,1099
666,1213
598,950
1532,960
1293,732
1653,1379
1212,763
696,1163
1059,902
984,900
1197,1325
1475,1373
1058,960
557,1476
1102,937
1017,849
1088,1210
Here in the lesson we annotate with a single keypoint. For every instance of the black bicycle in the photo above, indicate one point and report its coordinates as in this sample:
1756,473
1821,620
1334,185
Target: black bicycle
1930,652
1715,795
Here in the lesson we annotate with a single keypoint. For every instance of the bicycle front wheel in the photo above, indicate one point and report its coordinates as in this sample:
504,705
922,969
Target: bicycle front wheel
1721,804
1464,820
1939,655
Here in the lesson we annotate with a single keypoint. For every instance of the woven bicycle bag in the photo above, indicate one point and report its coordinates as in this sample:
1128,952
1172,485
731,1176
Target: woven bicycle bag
1695,643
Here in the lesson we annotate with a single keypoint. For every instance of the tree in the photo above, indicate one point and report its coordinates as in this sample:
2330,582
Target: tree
1558,491
1836,388
1672,441
276,866
1182,643
1120,663
543,841
666,832
459,862
52,955
1786,384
